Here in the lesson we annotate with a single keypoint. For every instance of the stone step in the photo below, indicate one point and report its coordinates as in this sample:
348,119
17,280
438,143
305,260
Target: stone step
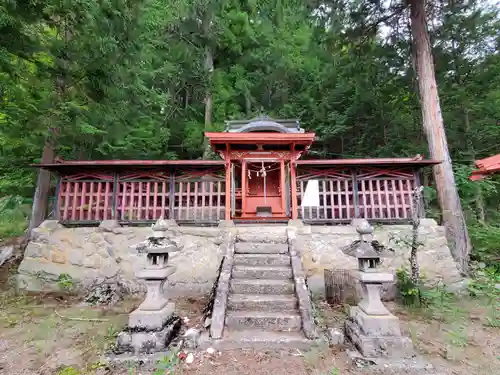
260,248
275,321
264,302
262,272
260,339
253,286
263,235
262,259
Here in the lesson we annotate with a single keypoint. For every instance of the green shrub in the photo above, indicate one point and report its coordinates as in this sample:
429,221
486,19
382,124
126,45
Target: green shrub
13,216
486,241
420,295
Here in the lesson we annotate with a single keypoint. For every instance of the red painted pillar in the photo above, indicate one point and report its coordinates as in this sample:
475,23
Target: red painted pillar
228,189
282,186
243,186
293,188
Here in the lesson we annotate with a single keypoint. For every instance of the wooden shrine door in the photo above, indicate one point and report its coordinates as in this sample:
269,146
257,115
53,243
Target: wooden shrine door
265,190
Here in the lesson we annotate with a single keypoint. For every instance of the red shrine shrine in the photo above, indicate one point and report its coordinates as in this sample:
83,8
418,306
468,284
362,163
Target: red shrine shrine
260,178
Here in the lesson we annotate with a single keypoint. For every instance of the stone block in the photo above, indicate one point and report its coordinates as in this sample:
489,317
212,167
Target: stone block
241,320
148,341
379,346
265,235
226,224
263,302
262,286
262,272
109,225
50,225
376,325
260,248
37,250
76,257
6,253
262,260
150,319
94,261
58,256
335,336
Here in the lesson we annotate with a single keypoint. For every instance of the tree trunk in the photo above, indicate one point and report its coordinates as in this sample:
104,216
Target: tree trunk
449,200
209,69
41,198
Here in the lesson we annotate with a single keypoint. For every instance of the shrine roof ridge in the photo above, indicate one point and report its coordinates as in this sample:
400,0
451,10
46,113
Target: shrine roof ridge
263,123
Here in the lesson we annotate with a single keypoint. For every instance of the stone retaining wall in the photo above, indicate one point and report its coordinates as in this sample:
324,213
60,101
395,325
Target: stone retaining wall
90,254
321,248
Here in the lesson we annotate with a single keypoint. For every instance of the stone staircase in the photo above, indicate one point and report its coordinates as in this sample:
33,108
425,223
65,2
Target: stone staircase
262,306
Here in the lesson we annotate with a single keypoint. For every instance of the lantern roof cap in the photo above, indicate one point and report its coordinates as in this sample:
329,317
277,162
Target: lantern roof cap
366,251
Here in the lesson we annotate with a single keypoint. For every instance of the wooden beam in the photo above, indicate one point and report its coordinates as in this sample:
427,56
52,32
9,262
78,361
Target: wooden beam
228,190
114,197
293,188
243,186
282,185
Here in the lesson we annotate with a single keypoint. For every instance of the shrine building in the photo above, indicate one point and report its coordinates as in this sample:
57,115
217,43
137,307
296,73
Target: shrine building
262,176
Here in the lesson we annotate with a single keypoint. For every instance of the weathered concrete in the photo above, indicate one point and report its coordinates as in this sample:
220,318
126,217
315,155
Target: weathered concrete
88,254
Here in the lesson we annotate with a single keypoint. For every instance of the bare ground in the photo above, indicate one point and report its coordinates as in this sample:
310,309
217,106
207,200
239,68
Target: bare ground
53,334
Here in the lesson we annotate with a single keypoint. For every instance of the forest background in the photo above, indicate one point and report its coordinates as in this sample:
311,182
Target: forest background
143,79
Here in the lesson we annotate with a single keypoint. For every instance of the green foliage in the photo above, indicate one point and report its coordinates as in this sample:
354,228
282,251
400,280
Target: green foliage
69,371
433,299
118,79
13,216
486,241
65,281
485,284
166,366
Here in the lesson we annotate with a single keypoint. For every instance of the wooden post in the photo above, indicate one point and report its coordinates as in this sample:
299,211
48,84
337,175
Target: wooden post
448,198
114,197
57,213
243,186
282,185
355,198
171,196
41,198
228,190
293,188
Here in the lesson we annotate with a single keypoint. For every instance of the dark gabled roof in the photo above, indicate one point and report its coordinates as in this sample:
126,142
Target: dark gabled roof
263,124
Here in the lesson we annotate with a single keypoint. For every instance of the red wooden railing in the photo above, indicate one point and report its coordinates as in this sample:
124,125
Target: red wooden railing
373,193
141,196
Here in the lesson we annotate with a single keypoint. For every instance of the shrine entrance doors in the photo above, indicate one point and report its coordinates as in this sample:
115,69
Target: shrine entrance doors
261,189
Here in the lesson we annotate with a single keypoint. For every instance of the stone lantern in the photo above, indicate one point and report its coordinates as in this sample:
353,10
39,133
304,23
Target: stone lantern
152,325
368,258
371,327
